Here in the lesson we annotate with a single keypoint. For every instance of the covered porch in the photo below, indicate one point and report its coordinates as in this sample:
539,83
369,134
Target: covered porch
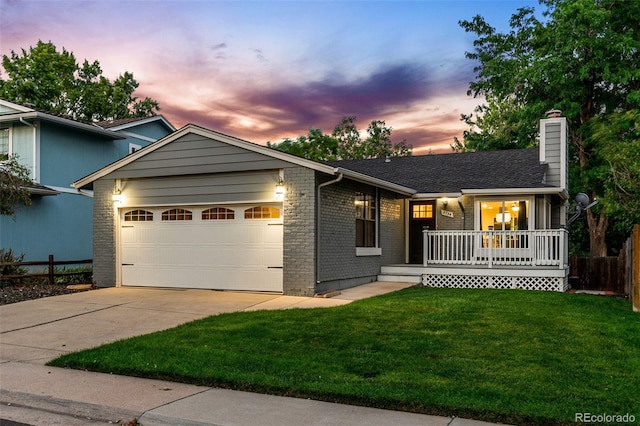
526,259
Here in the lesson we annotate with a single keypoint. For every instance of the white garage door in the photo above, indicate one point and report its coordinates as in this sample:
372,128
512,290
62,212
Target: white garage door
235,247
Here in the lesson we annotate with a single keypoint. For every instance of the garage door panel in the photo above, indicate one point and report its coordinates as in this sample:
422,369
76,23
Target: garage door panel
238,254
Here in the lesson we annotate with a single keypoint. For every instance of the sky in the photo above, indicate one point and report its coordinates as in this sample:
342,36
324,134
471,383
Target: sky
266,70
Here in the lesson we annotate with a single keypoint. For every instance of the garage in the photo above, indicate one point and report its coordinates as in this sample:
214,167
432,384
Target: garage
223,247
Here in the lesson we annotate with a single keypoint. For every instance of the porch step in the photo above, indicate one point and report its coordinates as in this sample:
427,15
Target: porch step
401,273
415,279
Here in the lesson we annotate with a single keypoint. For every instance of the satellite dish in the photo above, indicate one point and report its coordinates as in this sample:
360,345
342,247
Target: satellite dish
582,203
582,200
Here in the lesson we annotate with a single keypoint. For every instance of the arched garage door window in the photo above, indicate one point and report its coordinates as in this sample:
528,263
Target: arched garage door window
262,212
177,214
218,213
138,216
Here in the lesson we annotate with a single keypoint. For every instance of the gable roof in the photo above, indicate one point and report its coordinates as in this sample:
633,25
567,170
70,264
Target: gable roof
240,143
126,123
458,173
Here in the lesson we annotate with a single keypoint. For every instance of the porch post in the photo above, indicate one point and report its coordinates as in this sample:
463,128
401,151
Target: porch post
426,247
564,249
490,257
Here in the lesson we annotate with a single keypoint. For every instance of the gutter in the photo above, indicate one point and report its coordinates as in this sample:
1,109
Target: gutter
318,217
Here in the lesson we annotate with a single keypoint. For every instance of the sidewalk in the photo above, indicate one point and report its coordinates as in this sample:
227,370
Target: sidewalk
34,394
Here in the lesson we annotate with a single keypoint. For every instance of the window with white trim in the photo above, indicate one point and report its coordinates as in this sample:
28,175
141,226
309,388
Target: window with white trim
4,144
133,147
505,214
366,217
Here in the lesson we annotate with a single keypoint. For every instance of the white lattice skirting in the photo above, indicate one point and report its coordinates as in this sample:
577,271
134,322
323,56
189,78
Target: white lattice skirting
487,281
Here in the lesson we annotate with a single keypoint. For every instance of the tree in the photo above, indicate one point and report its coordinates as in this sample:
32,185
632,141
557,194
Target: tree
316,146
14,179
619,136
584,59
53,81
345,143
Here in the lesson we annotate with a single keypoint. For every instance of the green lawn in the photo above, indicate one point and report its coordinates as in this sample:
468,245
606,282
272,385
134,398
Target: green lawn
512,356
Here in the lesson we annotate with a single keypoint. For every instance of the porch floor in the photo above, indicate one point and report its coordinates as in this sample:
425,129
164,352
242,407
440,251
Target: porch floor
478,276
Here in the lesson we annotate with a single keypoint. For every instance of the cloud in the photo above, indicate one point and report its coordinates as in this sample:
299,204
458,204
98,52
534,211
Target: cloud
387,88
411,98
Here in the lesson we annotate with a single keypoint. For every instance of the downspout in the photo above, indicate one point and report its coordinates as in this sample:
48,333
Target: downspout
27,124
318,217
463,215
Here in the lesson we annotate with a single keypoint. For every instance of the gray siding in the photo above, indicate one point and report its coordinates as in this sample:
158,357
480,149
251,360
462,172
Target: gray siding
194,154
104,234
555,146
340,267
195,189
299,239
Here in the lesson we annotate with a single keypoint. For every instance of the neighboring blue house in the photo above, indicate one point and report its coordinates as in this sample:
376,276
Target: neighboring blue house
58,150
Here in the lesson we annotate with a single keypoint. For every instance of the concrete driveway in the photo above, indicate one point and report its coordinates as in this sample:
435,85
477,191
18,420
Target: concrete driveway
39,330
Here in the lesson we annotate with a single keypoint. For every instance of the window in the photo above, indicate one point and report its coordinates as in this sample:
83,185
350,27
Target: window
133,147
422,211
505,215
4,144
262,212
218,213
138,216
365,220
176,214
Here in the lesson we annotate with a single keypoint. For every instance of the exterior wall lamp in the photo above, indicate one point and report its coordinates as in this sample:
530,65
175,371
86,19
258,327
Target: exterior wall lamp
116,196
280,190
445,203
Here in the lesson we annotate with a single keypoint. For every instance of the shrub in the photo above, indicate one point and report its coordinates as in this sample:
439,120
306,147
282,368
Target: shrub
8,256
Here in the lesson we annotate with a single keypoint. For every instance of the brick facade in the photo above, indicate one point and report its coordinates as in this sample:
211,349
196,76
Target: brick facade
299,251
104,234
462,219
339,265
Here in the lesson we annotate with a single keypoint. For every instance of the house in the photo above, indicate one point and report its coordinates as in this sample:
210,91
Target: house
201,209
58,150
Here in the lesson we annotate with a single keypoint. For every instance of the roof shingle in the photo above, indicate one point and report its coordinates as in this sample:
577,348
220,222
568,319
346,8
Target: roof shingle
450,173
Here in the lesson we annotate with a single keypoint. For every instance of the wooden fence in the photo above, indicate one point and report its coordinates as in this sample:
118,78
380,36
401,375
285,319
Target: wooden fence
51,272
598,273
619,274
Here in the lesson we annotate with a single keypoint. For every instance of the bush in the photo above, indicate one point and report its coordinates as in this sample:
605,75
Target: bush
8,256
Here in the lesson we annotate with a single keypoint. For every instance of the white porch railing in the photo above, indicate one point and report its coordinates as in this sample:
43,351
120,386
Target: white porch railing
540,247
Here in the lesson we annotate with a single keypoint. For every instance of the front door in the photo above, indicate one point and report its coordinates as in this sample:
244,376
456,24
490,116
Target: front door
421,215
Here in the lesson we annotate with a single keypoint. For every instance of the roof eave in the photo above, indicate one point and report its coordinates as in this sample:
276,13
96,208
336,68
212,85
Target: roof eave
562,192
380,183
142,121
36,115
42,191
432,195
